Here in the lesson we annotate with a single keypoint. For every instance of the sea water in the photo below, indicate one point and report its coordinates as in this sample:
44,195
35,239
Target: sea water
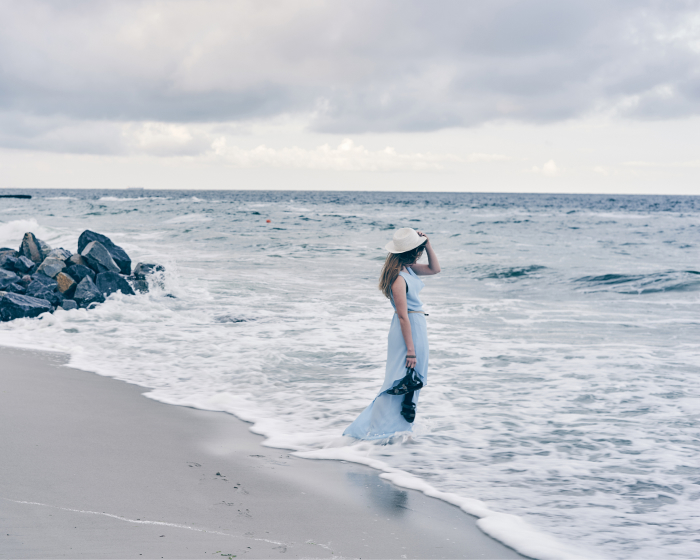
563,397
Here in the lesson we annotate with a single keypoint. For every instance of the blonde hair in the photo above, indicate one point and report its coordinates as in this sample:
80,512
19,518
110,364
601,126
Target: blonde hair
394,263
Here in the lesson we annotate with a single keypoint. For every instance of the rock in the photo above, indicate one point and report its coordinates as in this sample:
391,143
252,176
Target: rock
31,248
26,279
141,271
16,264
60,254
15,306
8,262
144,269
16,289
77,260
110,282
54,298
43,287
7,278
51,267
139,284
8,256
98,258
66,284
24,265
87,293
78,272
40,281
117,253
69,304
45,247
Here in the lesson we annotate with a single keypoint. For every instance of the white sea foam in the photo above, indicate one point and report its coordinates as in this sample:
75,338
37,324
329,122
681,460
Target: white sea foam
122,198
554,416
11,232
188,218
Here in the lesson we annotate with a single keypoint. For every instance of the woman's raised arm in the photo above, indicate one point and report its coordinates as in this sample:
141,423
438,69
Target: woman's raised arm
433,266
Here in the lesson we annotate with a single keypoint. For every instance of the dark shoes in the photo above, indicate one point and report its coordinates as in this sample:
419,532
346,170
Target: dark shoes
411,382
407,386
408,408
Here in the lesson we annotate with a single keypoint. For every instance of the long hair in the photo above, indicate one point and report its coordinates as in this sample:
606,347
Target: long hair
393,265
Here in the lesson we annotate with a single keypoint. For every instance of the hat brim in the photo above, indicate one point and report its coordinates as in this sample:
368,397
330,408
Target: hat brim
392,248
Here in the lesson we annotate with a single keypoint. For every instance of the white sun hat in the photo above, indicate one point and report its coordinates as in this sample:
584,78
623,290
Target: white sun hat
404,240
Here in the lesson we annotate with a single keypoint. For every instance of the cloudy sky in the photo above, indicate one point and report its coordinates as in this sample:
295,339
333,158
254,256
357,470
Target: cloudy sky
497,95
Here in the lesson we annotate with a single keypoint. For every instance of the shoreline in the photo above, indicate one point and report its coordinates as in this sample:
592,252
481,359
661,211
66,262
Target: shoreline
95,471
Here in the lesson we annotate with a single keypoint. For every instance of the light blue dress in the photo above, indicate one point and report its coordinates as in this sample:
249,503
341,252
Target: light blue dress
382,418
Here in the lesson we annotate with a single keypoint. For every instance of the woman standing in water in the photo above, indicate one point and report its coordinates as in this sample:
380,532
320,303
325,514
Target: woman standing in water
394,409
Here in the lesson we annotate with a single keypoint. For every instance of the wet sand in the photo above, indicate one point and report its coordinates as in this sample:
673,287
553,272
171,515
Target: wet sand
92,469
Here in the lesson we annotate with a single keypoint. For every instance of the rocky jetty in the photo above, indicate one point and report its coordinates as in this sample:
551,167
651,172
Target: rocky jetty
36,279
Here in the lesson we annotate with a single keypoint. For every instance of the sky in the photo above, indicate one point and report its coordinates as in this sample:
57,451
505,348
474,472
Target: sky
479,96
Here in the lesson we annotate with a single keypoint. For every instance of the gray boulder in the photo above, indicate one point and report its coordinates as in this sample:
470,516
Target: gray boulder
144,269
54,298
51,267
78,272
110,282
43,287
45,247
66,284
98,258
7,261
76,260
116,252
87,293
16,289
31,248
139,284
69,304
7,278
24,265
4,250
16,306
141,273
41,281
60,253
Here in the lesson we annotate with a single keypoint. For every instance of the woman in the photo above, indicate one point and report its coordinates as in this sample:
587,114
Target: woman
393,410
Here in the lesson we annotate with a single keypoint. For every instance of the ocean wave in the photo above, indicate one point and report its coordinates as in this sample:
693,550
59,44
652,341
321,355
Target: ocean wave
121,198
189,218
11,232
668,281
514,272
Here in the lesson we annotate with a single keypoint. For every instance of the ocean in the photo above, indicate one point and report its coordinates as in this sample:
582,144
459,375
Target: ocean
563,396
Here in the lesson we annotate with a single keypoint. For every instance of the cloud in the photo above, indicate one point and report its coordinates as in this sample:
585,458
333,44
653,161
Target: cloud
669,164
206,142
347,156
476,157
549,169
343,67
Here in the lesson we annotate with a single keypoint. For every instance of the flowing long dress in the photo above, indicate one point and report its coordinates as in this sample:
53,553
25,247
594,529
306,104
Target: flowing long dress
382,418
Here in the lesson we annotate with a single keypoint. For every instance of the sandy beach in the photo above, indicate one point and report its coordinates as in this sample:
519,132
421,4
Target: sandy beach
92,469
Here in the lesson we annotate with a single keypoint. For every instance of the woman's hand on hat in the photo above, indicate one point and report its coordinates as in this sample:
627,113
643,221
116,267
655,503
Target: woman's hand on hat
421,234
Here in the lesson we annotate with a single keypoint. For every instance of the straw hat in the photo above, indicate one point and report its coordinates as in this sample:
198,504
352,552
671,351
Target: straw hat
404,240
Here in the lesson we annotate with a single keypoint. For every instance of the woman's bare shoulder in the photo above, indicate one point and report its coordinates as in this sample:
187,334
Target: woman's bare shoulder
399,282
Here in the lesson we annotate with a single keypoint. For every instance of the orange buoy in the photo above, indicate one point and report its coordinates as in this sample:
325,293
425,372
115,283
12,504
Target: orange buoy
268,221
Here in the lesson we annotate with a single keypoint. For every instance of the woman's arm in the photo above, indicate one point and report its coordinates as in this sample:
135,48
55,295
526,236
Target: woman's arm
398,289
433,266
